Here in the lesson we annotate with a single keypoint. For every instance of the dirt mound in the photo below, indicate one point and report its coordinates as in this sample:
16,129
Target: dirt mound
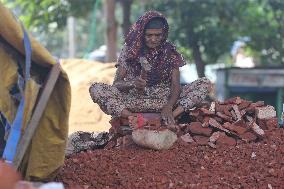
247,165
84,114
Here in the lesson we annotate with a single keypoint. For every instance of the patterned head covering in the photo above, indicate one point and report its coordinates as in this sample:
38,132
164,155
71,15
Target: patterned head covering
162,58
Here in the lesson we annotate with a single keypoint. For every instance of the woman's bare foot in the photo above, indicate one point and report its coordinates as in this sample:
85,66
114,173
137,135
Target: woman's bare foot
179,110
125,113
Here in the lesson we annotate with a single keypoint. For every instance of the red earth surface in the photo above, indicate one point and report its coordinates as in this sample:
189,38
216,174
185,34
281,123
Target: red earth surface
186,165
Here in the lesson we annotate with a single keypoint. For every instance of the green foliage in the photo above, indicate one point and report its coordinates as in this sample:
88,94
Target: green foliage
40,14
47,20
215,25
185,52
211,24
197,22
43,15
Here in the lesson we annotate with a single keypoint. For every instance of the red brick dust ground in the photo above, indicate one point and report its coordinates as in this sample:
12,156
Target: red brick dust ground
186,165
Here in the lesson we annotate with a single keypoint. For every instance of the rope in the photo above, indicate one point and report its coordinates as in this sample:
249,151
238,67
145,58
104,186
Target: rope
15,133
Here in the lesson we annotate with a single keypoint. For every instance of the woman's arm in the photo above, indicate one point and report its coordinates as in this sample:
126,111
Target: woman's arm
123,85
119,82
167,110
175,88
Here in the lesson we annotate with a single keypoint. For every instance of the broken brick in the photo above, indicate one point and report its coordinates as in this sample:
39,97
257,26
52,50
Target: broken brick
219,107
265,112
250,110
224,109
253,106
205,121
187,138
212,107
248,137
257,104
226,140
244,104
272,123
224,116
227,112
217,125
237,112
220,120
234,116
200,118
194,113
215,136
250,119
257,129
234,100
183,126
196,128
235,128
262,124
206,112
241,123
201,140
243,112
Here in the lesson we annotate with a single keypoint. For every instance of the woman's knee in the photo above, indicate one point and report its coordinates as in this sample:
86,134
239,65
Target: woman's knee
205,84
93,88
97,89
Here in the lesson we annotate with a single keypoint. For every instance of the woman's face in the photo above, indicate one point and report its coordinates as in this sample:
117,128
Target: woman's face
153,37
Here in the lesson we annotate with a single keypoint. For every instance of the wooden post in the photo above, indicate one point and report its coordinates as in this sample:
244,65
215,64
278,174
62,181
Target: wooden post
111,26
39,109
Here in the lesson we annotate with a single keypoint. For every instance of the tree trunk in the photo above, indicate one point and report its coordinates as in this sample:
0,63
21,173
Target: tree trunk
126,9
71,37
200,67
111,30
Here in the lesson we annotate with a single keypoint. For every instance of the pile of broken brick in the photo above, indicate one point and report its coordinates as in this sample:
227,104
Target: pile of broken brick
190,162
236,119
213,124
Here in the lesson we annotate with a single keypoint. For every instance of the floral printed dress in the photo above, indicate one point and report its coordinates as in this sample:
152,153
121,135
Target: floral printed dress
163,60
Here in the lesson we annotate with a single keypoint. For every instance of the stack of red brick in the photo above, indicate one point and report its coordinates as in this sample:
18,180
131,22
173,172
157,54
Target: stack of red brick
227,122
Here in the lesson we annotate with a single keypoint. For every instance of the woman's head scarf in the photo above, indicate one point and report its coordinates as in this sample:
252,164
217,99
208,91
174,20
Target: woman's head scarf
164,57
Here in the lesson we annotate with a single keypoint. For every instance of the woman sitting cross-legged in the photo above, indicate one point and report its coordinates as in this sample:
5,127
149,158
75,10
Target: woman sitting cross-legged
147,78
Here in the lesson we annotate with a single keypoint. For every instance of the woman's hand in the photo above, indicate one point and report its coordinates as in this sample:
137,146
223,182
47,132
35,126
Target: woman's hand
139,83
167,115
